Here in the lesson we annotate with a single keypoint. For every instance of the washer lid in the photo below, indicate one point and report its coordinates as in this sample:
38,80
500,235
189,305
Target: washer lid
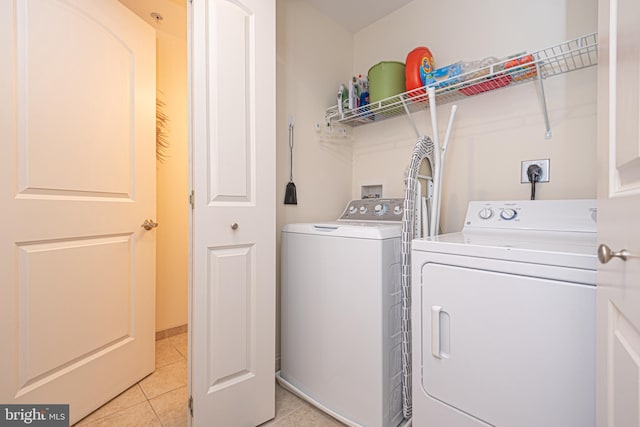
564,249
360,230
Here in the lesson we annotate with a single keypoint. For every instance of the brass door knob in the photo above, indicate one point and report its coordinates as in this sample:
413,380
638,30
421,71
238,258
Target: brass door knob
148,224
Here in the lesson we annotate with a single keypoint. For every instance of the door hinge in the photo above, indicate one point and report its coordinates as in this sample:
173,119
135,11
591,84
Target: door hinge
191,405
192,199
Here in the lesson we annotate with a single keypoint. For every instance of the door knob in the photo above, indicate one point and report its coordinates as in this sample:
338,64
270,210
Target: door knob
234,226
148,224
605,254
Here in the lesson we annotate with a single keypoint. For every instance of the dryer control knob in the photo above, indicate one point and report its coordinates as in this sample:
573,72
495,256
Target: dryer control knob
485,213
353,209
380,209
363,210
397,210
508,214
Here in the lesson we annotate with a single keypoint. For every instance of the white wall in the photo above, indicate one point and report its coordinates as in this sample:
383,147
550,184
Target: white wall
172,186
314,54
495,131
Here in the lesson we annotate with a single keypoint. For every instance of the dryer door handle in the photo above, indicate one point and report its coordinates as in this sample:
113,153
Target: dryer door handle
435,331
440,333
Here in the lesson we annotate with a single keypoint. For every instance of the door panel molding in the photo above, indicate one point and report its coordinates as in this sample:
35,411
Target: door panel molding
88,307
231,97
624,109
623,369
232,291
94,129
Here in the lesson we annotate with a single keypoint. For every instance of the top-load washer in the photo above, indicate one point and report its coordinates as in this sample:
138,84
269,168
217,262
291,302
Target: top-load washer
341,313
503,318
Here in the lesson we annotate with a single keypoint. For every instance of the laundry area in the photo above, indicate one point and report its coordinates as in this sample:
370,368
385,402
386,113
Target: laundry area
470,128
370,214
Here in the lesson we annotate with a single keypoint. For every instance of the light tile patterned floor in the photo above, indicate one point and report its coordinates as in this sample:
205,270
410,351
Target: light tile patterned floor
161,398
292,411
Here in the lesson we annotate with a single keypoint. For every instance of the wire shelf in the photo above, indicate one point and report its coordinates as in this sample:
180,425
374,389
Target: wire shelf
559,59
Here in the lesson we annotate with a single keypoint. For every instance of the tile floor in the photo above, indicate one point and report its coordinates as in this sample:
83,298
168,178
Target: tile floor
294,412
161,398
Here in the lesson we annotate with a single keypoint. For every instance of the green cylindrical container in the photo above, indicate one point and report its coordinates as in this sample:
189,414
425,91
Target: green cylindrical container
386,79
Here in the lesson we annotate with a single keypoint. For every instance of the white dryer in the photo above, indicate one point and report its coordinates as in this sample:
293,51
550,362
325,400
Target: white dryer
341,313
503,318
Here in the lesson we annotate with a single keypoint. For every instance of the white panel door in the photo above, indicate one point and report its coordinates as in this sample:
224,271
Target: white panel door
77,179
232,45
618,306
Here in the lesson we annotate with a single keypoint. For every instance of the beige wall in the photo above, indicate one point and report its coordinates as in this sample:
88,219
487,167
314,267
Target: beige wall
172,187
495,131
314,54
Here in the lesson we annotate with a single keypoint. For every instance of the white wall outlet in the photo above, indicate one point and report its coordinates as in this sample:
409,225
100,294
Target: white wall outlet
544,165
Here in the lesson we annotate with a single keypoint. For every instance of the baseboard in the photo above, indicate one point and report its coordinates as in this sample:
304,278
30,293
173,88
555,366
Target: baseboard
171,332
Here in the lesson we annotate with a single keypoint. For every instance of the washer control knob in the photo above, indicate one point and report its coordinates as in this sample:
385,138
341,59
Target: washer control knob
397,210
363,210
508,214
485,213
353,209
380,209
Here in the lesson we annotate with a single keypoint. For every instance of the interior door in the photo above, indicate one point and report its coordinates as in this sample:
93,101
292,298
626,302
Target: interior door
77,179
618,305
232,48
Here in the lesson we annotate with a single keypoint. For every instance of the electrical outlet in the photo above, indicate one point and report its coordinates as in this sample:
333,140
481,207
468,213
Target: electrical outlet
544,165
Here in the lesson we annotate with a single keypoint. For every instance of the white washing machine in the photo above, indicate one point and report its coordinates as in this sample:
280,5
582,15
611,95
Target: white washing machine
503,317
341,313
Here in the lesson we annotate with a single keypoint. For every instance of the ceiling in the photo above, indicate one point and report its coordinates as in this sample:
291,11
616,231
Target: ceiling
351,14
173,12
354,15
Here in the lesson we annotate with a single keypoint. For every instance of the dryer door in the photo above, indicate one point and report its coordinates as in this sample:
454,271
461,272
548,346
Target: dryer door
508,349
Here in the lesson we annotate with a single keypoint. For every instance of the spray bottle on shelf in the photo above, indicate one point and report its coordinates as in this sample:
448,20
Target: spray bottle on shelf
364,90
341,93
354,93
